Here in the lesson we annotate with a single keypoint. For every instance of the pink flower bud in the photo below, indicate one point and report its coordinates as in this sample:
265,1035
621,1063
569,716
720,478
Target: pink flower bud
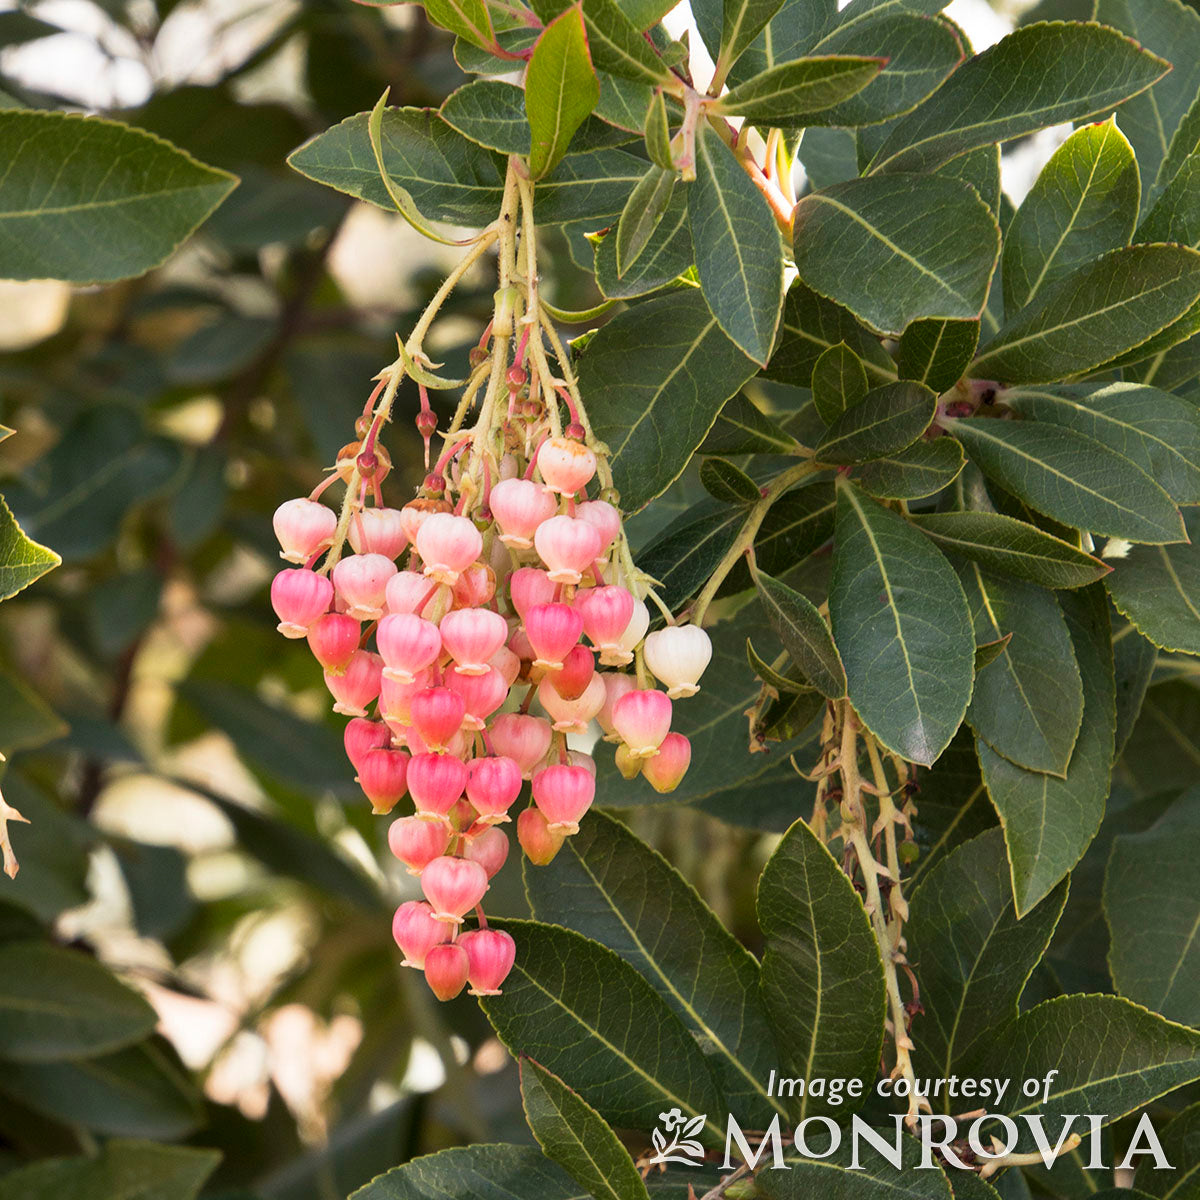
416,843
446,969
408,592
578,671
471,636
488,847
524,739
475,587
529,586
493,785
564,794
571,716
416,932
666,769
602,517
507,663
408,644
435,782
616,685
567,546
382,778
358,686
678,655
482,695
333,638
521,647
436,715
453,886
520,506
552,630
299,597
642,719
538,840
490,956
362,736
606,613
634,632
378,531
448,545
303,527
566,465
361,582
395,698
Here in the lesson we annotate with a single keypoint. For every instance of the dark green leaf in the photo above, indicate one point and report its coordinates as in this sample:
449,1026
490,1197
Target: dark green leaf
641,217
791,92
901,625
57,1004
1092,314
122,1170
481,1171
658,134
1181,1143
885,421
1048,822
981,169
986,653
936,352
22,560
1040,75
839,382
880,247
974,956
585,1014
667,256
1027,704
739,256
741,22
742,428
491,113
1084,203
790,684
1071,477
1164,748
723,481
924,469
1134,659
655,378
561,89
92,201
618,47
804,635
685,554
822,978
1002,543
467,18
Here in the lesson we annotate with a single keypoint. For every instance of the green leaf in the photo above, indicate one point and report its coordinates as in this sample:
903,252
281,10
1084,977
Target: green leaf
937,352
122,1170
1112,1057
1041,75
1180,1140
885,421
1183,145
1027,704
658,134
878,247
1157,431
467,19
1154,923
1003,543
742,428
667,255
57,1004
812,325
572,1134
723,481
822,978
93,201
739,255
975,956
1071,477
1048,822
582,1012
624,103
655,378
1083,204
618,47
924,469
839,382
136,1092
491,113
1162,750
804,635
610,886
981,169
901,624
1158,589
1092,314
791,92
789,684
741,23
641,216
22,561
1134,660
561,89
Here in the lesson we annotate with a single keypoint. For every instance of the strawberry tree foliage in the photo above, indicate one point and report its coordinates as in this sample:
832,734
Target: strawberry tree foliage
920,464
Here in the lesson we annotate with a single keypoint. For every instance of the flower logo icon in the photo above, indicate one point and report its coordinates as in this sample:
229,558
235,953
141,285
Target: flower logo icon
682,1148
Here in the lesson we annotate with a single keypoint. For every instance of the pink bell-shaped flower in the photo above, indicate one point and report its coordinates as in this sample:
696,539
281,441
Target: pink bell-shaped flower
571,716
448,545
416,931
665,770
471,636
616,685
507,663
408,592
436,715
361,583
395,698
357,687
539,841
299,597
362,736
529,587
526,740
382,777
435,782
303,528
568,547
603,518
475,587
408,644
564,793
520,506
446,970
566,465
606,613
490,957
642,718
487,846
333,638
552,630
453,886
377,531
482,695
416,843
678,656
493,785
628,642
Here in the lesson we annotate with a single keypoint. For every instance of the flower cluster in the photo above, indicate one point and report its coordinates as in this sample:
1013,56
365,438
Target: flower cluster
512,624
